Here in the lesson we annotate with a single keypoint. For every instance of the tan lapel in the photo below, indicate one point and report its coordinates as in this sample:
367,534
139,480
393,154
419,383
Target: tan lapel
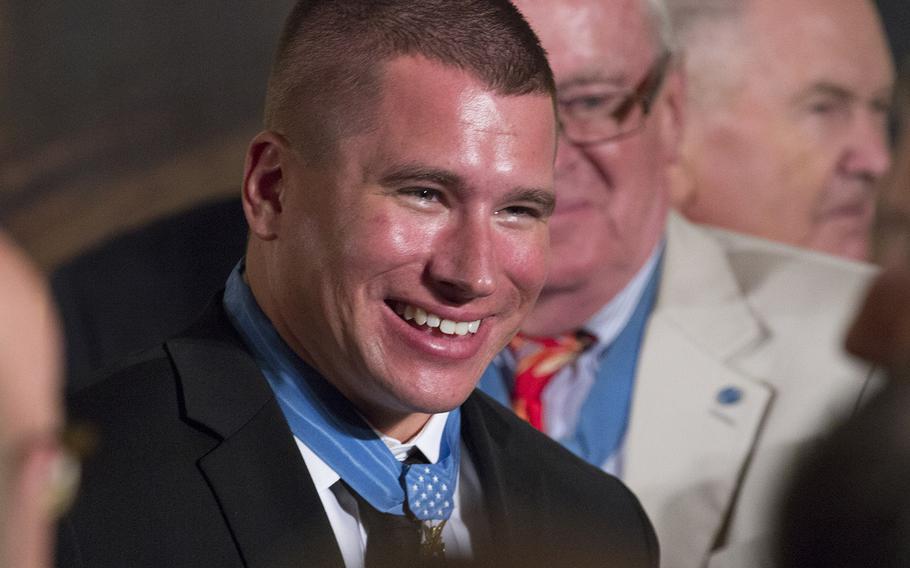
696,414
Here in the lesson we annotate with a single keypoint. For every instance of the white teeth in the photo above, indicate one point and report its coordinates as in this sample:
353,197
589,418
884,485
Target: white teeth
446,326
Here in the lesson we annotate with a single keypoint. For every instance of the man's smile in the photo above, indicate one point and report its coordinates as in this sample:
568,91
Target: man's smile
420,318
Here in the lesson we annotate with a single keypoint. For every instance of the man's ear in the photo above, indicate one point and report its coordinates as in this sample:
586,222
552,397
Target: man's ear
264,183
682,184
673,119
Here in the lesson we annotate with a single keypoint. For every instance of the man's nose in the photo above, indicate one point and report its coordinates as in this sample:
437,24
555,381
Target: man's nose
464,266
868,149
567,154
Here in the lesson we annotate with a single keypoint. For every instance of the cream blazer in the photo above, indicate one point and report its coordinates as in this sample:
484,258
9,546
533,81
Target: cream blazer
741,369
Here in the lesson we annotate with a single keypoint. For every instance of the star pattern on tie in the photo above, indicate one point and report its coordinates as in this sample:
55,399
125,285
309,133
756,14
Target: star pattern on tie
430,493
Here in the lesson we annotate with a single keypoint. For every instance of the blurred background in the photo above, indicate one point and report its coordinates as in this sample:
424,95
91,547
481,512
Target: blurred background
118,113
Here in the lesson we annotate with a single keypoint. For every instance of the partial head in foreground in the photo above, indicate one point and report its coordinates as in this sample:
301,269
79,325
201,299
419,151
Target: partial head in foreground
847,504
620,98
891,231
398,200
788,107
30,412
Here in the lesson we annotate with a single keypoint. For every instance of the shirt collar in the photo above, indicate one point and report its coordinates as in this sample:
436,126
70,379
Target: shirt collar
428,440
322,474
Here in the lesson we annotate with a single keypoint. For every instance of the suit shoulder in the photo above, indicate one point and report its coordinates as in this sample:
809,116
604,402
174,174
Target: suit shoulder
778,278
768,254
704,265
144,376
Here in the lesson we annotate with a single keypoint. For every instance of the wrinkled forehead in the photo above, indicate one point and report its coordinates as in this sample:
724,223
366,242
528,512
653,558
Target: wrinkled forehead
589,40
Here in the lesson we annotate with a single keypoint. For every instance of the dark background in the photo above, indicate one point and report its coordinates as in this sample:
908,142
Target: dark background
896,15
114,113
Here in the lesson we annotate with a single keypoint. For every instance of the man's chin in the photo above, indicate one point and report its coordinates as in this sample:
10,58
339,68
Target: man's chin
853,243
432,393
407,411
858,250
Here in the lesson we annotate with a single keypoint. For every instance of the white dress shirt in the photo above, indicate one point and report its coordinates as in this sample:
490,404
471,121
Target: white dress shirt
468,516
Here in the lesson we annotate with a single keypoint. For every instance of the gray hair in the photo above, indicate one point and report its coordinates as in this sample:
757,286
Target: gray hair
662,22
688,16
709,32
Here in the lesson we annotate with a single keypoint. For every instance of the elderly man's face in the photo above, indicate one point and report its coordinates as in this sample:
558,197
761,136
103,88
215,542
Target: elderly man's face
405,267
612,196
795,151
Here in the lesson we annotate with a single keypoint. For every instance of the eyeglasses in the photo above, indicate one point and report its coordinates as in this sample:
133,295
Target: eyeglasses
70,448
600,114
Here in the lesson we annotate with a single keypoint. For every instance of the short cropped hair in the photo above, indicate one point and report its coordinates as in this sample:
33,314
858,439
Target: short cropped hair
328,66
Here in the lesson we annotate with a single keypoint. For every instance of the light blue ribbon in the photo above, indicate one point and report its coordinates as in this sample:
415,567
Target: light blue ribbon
328,424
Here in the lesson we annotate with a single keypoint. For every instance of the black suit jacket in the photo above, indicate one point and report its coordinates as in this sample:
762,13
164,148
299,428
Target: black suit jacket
196,466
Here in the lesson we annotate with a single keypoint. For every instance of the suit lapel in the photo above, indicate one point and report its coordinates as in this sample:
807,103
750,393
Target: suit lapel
695,415
256,473
485,449
505,490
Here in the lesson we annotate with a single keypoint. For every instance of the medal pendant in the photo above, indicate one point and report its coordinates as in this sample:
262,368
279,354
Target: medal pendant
431,544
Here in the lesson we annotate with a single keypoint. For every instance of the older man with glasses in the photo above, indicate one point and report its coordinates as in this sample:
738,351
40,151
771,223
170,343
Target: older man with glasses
692,363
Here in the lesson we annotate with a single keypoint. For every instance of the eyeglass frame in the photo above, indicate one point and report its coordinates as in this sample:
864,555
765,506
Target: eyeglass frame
644,93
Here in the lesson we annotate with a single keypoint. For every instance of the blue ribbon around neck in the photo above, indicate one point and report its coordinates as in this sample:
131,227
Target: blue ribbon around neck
327,423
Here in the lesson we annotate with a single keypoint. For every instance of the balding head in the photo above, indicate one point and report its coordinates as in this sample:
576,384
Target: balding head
30,413
788,106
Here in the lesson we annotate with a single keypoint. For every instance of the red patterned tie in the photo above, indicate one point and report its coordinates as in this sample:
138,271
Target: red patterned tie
539,359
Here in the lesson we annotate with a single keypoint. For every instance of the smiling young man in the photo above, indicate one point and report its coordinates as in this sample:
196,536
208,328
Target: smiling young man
321,413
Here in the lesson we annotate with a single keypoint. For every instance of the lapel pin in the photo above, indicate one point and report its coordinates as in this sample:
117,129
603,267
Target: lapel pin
729,396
